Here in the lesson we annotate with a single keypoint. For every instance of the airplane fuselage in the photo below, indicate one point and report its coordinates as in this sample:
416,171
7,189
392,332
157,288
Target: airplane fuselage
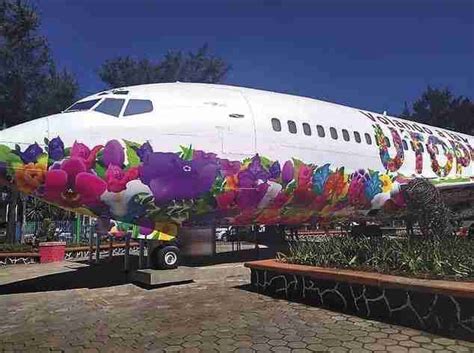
209,154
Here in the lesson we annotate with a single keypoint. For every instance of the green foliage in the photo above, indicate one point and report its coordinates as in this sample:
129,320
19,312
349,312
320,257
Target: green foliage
30,85
440,107
175,66
449,258
47,230
37,210
16,248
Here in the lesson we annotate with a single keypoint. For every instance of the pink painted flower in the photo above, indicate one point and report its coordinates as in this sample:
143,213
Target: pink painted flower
82,190
304,176
287,172
117,178
81,151
356,193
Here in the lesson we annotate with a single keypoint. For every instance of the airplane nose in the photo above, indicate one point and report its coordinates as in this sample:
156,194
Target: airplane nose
26,134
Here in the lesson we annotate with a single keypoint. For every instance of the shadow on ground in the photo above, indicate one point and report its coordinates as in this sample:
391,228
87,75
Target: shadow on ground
111,273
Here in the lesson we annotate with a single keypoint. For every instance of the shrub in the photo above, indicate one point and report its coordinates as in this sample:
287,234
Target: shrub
16,248
449,258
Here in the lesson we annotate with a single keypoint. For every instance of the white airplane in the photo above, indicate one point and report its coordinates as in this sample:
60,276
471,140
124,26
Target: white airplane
171,155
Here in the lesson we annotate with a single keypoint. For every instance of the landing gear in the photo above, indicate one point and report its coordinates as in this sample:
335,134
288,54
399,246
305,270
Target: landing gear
166,257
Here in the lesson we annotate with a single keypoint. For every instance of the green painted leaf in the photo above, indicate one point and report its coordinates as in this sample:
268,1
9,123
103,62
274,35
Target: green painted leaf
43,159
100,170
132,156
186,153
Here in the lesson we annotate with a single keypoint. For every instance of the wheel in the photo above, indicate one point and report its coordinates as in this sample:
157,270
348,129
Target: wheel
166,258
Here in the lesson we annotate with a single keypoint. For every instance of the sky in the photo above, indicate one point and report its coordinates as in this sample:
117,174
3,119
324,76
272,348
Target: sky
374,54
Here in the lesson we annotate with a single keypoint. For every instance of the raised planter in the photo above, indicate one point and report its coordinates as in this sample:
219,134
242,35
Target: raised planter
52,251
445,307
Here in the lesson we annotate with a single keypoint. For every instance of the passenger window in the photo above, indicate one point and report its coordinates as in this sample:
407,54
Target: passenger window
276,124
357,136
422,148
345,135
387,141
292,126
321,132
138,106
405,145
368,139
110,106
333,133
307,129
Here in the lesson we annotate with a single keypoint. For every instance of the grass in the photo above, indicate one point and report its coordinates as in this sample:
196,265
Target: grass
449,258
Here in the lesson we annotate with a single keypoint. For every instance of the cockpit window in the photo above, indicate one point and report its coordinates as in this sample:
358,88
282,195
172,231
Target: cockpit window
138,106
84,105
110,106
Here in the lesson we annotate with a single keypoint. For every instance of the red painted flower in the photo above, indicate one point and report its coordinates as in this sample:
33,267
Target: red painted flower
117,178
226,200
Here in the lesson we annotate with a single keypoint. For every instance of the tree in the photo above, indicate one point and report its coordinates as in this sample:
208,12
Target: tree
30,84
175,66
440,107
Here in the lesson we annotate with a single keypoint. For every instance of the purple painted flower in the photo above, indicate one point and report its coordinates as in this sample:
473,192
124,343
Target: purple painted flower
169,177
31,154
252,184
254,172
113,154
250,198
56,149
287,173
144,151
275,170
229,168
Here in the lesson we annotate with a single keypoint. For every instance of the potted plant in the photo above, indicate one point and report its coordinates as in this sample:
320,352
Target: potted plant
50,250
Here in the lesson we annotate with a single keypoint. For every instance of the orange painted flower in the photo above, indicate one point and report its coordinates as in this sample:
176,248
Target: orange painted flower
335,187
231,182
30,176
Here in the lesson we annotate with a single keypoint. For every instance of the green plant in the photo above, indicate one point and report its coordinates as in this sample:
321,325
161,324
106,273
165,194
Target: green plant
448,257
47,231
15,248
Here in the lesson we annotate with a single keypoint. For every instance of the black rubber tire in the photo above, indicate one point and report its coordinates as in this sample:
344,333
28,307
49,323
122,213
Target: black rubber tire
163,257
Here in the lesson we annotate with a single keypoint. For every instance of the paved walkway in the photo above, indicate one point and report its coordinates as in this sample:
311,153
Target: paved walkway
94,309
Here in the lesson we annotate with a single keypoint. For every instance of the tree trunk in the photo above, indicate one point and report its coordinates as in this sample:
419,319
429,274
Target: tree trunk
11,217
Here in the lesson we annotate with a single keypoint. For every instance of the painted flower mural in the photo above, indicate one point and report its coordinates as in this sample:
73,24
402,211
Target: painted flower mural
391,164
432,147
131,182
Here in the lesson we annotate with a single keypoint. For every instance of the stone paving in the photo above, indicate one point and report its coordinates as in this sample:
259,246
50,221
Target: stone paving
210,315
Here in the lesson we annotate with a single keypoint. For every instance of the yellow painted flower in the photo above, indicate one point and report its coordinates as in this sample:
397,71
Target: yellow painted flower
30,176
386,183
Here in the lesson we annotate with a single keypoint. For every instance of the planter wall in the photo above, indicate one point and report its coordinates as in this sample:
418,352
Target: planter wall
443,307
52,251
82,252
18,258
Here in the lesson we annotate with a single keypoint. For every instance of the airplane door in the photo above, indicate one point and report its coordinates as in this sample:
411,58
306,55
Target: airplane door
239,129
